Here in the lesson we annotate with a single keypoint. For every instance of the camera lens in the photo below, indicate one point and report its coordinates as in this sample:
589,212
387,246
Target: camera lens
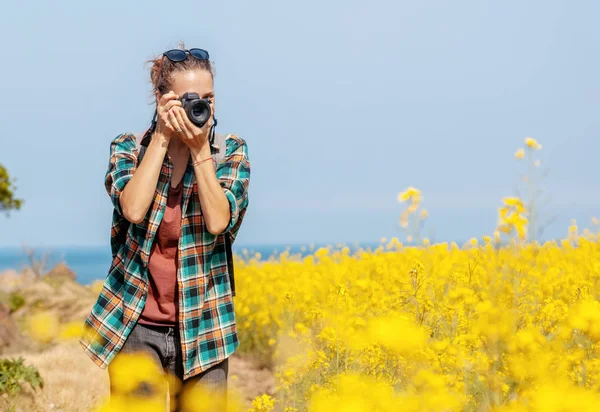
198,110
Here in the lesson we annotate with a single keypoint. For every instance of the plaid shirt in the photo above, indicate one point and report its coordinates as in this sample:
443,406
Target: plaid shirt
207,324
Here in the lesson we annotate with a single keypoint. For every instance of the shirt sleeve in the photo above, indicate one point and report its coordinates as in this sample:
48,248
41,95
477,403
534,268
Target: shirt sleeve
233,174
121,167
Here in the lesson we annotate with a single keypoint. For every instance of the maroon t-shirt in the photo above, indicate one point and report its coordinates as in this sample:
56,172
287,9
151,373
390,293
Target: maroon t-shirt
162,301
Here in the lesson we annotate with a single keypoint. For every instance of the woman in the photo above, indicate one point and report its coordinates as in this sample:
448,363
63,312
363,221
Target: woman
168,292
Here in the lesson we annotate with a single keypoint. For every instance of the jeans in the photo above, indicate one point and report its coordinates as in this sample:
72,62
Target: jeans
162,344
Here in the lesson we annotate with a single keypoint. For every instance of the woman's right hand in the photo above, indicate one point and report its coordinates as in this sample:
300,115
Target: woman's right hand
164,127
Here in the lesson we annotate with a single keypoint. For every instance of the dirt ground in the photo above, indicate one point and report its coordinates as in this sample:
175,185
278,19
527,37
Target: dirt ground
74,384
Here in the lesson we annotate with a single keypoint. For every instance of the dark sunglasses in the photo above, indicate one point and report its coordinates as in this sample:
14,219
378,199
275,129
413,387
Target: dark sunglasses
178,55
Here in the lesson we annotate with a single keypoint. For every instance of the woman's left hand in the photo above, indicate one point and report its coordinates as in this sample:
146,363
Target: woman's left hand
193,136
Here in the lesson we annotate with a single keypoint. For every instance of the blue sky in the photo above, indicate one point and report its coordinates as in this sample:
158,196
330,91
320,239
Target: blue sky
343,105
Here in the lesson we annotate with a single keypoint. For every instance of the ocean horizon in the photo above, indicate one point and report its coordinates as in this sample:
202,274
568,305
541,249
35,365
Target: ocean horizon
91,263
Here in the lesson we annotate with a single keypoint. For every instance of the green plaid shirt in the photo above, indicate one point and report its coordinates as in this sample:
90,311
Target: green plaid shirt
206,312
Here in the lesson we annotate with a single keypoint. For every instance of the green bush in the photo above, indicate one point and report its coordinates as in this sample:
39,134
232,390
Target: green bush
15,302
13,377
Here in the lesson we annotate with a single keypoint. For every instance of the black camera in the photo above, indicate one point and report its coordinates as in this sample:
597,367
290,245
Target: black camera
198,110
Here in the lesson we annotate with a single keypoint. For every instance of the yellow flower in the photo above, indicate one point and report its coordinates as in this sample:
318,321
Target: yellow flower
519,154
513,201
532,143
397,333
43,326
97,286
71,330
263,403
121,403
573,227
404,219
203,398
409,194
133,369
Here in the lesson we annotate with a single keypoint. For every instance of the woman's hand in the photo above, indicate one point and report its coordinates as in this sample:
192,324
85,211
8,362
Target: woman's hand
166,127
194,137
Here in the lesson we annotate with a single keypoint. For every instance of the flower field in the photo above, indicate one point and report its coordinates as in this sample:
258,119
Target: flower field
439,328
501,323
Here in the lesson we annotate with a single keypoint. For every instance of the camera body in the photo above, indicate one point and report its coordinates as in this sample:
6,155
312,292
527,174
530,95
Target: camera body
198,110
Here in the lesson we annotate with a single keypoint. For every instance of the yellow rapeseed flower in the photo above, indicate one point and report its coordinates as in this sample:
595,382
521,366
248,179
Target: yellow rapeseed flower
397,334
410,193
43,326
532,143
132,369
263,403
71,331
519,154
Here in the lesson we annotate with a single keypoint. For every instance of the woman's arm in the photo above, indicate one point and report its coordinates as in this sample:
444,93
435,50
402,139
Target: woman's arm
132,186
138,194
224,194
213,201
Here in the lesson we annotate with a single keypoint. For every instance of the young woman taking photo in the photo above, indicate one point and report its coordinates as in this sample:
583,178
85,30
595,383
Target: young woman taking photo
168,292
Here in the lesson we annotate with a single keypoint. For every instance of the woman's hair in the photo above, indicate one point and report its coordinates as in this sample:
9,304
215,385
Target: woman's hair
161,77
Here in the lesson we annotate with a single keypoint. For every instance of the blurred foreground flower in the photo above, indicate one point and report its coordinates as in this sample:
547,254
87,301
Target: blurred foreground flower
71,331
205,398
585,317
43,326
124,403
397,333
356,393
133,372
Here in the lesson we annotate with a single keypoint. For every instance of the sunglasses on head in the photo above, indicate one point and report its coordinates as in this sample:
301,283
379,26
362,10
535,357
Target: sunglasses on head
178,55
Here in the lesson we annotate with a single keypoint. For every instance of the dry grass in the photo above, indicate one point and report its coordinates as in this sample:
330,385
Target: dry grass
72,382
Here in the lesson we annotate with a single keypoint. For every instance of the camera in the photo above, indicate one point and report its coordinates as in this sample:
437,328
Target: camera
198,110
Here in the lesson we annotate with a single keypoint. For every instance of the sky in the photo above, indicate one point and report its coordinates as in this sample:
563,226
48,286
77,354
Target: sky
343,105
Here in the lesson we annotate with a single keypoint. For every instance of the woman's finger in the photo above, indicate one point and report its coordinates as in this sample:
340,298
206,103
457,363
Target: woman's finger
172,103
188,123
173,120
181,117
166,98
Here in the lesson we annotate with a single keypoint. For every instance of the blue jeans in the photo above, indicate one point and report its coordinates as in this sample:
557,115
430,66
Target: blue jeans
162,344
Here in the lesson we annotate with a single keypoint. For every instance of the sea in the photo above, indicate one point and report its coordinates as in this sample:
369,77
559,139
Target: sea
92,263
